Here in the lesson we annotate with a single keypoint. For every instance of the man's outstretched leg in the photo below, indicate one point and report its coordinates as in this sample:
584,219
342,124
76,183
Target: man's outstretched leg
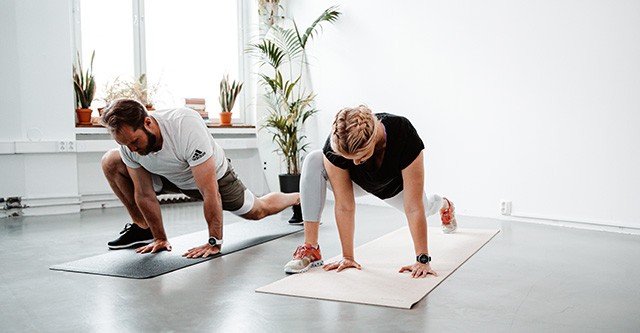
136,233
270,204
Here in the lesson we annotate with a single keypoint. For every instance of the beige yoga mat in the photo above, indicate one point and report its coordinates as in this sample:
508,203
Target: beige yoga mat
379,283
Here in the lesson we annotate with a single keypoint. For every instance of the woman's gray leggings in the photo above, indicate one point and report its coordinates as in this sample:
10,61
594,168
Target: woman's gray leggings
314,184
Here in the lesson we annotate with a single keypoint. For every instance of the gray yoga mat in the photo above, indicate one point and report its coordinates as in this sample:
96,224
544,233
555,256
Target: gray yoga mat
129,264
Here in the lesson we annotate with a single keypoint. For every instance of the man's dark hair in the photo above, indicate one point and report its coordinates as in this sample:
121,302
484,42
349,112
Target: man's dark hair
124,112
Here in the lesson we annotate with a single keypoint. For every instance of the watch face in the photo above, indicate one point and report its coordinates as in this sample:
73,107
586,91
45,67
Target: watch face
423,258
212,241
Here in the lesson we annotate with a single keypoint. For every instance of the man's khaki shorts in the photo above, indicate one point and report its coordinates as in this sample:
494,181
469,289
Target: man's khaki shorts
236,198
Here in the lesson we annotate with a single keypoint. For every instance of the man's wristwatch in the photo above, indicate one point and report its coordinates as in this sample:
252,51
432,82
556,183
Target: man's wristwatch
423,258
214,241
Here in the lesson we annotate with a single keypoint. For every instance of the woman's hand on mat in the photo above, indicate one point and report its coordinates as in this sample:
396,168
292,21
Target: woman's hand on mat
419,270
342,264
202,251
156,246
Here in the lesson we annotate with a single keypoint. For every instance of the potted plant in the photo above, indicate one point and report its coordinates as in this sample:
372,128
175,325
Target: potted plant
112,90
228,94
143,92
289,105
85,88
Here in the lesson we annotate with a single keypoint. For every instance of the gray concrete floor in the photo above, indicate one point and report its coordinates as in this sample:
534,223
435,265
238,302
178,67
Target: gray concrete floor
529,278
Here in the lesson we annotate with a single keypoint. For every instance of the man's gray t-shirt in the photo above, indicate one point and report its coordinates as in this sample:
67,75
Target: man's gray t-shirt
186,144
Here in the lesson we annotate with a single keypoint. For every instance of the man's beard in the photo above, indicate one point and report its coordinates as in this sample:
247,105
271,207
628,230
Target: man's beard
151,142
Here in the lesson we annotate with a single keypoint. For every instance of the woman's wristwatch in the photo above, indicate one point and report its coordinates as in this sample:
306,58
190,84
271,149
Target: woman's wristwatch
423,258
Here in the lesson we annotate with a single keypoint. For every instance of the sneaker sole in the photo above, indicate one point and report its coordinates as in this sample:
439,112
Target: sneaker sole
447,230
302,270
118,247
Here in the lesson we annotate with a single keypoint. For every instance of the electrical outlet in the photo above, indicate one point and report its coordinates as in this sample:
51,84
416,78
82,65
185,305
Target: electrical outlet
66,146
71,146
505,207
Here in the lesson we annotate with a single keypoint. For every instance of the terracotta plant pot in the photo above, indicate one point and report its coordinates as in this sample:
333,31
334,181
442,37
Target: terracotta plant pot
225,118
84,116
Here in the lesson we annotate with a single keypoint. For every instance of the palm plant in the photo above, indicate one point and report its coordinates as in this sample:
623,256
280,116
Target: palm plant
289,104
285,119
84,83
228,93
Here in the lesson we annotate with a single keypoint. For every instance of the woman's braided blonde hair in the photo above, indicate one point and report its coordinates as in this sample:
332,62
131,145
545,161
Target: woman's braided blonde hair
353,130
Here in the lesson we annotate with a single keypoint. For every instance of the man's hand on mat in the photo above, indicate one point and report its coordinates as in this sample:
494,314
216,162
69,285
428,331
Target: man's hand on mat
156,246
419,270
202,251
342,264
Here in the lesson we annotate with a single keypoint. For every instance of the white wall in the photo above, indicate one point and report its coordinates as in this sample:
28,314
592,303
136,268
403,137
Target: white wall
536,102
9,92
36,105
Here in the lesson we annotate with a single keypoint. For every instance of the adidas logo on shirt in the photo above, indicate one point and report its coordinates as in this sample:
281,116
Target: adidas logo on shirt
197,155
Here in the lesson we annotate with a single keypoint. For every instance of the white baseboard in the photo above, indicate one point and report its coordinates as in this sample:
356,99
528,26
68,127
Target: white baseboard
51,210
50,206
73,204
108,200
68,205
621,229
99,200
567,223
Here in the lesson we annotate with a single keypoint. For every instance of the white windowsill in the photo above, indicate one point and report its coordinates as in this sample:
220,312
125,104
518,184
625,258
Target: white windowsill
212,130
97,139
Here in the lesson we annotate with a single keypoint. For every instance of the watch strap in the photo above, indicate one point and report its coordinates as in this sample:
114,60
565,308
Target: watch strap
214,241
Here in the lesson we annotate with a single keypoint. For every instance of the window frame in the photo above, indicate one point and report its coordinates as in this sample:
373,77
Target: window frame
245,109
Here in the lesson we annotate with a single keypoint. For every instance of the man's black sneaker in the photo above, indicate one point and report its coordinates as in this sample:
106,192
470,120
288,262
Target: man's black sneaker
130,236
297,215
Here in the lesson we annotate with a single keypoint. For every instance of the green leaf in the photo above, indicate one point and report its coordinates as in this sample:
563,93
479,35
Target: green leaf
330,15
229,93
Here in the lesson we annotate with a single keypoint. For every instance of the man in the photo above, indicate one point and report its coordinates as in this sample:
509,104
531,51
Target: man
171,151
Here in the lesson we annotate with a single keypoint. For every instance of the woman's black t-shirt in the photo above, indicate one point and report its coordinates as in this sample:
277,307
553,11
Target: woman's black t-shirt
402,147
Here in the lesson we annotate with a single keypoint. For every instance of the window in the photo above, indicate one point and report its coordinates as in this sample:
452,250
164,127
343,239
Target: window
106,28
184,47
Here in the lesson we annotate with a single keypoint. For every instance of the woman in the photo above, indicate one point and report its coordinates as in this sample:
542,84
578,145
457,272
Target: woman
379,154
